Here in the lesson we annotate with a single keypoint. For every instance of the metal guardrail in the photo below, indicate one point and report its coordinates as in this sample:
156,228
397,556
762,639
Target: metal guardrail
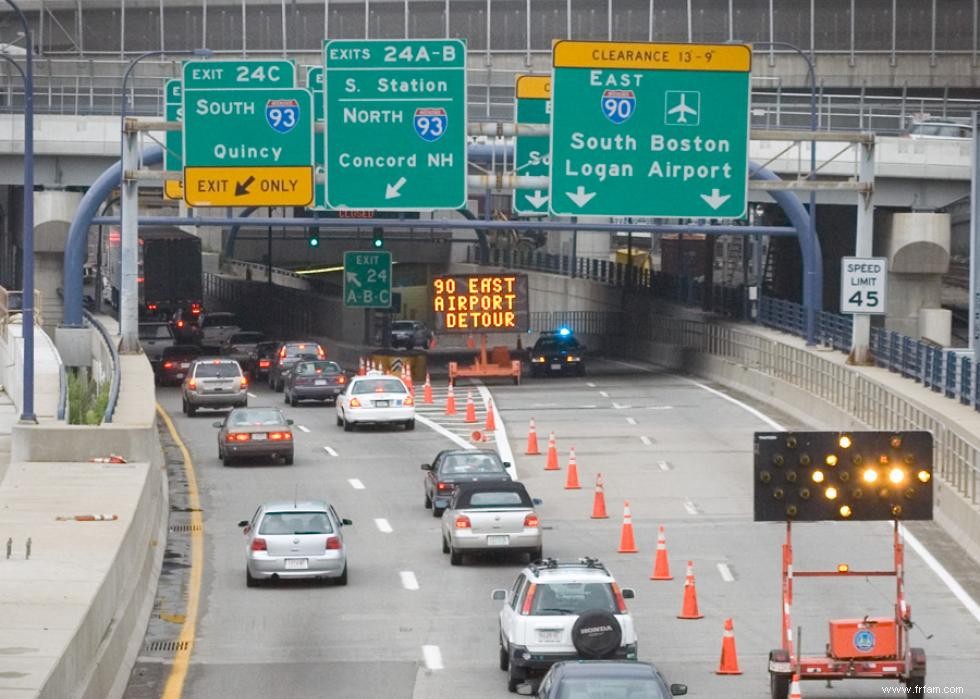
110,407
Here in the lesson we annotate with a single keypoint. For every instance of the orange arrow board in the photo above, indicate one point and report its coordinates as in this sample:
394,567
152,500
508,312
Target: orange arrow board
248,186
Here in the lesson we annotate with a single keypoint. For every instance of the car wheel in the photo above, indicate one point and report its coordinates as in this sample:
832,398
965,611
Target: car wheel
596,634
285,397
292,400
226,460
288,459
249,580
437,511
428,502
410,424
348,425
515,676
504,658
340,421
191,410
342,580
445,545
278,387
581,370
455,557
183,406
536,555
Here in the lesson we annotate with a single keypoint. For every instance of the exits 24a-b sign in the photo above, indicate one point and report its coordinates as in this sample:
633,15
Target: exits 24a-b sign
863,284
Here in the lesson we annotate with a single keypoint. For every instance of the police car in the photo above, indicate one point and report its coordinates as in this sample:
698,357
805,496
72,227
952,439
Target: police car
557,352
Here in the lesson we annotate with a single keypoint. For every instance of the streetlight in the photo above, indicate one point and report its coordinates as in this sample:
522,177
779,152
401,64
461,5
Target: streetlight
813,282
129,204
27,302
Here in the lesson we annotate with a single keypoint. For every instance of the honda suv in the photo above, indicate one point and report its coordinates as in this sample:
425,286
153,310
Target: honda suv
562,610
214,383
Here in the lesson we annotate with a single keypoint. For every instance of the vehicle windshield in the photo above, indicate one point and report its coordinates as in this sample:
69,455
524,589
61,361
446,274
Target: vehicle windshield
403,325
321,367
217,370
378,386
245,338
505,499
154,332
257,416
181,351
303,350
219,320
471,463
573,598
293,523
610,688
553,345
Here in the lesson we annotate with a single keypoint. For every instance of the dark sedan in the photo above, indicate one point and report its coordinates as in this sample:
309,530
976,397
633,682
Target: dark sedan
454,466
314,380
605,678
255,432
175,362
557,353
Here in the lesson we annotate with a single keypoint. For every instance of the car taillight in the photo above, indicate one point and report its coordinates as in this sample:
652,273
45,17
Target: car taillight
341,379
408,401
238,437
259,545
151,306
354,403
463,522
531,520
321,354
192,384
264,363
444,486
195,309
244,382
333,543
282,353
180,323
168,365
280,436
529,599
620,601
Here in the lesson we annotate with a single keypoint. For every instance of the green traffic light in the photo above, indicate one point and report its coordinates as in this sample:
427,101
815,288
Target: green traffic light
314,242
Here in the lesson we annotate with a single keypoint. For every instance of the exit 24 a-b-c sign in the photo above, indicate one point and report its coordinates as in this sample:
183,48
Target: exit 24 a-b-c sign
863,285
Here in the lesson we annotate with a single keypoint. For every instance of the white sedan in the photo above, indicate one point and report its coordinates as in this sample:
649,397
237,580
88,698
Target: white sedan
375,398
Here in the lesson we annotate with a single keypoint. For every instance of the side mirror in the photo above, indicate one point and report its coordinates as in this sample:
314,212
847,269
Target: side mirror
426,467
499,594
346,522
216,424
243,523
628,593
537,501
507,464
289,421
678,690
525,690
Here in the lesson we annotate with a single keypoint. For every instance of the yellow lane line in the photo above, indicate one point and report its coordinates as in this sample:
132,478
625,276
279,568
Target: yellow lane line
178,671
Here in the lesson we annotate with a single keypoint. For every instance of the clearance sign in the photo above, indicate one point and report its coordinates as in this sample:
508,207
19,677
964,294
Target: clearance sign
480,303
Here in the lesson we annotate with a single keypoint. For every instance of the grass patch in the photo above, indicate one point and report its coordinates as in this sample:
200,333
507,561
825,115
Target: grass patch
87,399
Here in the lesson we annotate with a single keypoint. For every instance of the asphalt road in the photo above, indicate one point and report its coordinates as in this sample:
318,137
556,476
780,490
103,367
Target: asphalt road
409,625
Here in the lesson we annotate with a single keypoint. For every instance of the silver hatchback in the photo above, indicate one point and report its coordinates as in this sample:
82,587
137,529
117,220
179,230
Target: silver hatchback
295,539
214,383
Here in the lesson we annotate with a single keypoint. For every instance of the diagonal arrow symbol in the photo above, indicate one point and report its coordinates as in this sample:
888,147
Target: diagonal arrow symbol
352,279
716,198
393,190
241,188
580,196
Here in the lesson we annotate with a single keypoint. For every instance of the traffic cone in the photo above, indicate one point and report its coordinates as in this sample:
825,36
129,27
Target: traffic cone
361,370
729,662
626,542
450,401
470,408
490,425
427,390
599,502
689,610
794,688
552,461
470,342
532,440
407,378
571,481
661,566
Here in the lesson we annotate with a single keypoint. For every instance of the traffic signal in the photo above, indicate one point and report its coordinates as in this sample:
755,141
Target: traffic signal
313,237
862,476
378,238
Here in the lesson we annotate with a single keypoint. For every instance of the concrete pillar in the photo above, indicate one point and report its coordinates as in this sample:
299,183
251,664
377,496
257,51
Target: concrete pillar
917,247
53,212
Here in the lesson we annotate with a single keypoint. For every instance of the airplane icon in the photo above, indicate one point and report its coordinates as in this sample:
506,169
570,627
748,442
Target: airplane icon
678,114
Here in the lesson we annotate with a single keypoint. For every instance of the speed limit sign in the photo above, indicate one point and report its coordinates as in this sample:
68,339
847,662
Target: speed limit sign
863,284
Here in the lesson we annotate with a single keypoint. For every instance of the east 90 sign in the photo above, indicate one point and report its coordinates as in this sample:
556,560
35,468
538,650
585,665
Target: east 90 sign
480,303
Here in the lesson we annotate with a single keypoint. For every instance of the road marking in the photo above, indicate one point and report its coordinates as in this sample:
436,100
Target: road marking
631,421
948,580
646,440
588,406
409,581
590,384
691,508
544,405
726,574
178,671
665,466
660,407
433,657
331,451
604,394
765,418
383,526
500,435
617,406
355,483
435,426
251,395
304,428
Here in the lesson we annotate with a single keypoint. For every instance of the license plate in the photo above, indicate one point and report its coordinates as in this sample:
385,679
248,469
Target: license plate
180,376
498,540
549,635
185,365
556,366
297,564
258,437
380,404
320,382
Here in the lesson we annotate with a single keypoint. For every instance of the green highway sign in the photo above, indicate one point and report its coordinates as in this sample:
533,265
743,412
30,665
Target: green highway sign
367,279
395,124
532,153
173,154
216,75
656,130
314,83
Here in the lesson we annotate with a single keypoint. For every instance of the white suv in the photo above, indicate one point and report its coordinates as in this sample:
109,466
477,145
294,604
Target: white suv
562,610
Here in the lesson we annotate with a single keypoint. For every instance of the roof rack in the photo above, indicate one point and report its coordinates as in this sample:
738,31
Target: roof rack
581,562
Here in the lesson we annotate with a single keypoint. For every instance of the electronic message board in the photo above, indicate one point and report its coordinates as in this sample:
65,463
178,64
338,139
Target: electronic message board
480,303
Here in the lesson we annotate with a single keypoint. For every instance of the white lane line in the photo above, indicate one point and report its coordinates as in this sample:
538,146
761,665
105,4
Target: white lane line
304,428
590,384
660,407
355,483
631,421
588,406
331,451
383,526
691,508
646,440
618,406
726,574
251,395
433,657
500,434
435,426
665,466
409,581
948,580
604,394
765,418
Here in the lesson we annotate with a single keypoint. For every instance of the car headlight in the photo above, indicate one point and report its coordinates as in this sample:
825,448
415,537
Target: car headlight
572,358
537,360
